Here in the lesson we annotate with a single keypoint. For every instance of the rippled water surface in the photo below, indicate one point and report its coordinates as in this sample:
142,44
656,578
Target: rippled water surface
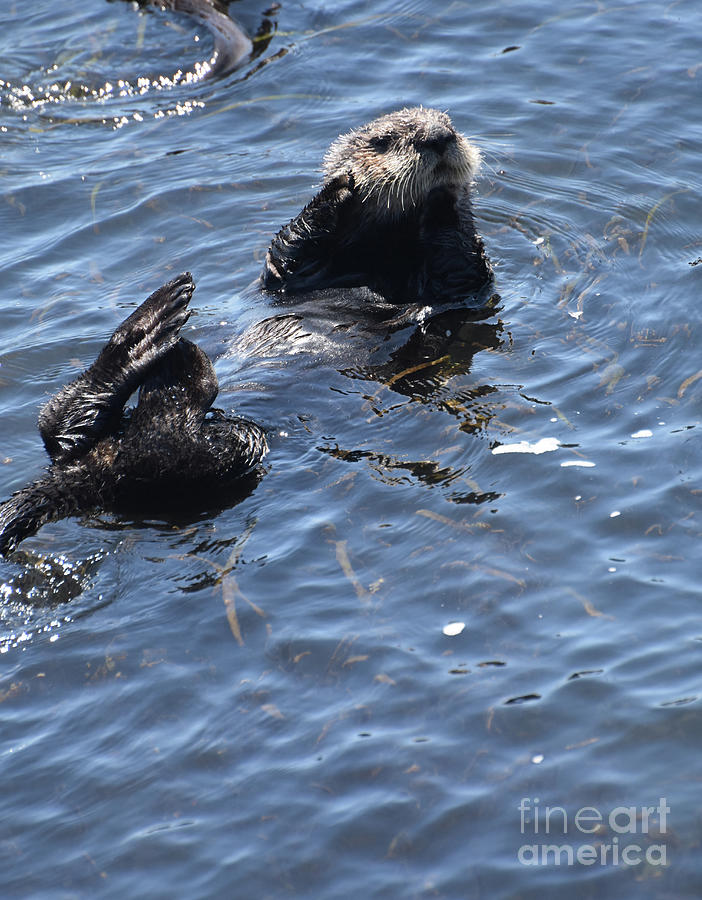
348,684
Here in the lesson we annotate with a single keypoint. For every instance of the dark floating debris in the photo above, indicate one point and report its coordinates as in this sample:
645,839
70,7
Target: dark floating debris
525,699
585,672
683,701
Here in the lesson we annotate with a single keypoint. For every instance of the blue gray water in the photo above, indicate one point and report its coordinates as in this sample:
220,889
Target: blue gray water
349,683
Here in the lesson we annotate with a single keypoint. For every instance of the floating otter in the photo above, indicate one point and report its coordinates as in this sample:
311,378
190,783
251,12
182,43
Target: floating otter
231,47
394,216
231,44
166,453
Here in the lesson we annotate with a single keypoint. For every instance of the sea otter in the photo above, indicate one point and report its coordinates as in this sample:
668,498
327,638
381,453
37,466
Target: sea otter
231,44
393,216
231,47
167,453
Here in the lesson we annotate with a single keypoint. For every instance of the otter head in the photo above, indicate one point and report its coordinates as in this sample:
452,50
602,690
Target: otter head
397,159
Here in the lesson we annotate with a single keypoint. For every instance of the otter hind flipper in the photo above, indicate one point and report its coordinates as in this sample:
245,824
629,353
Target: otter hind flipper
172,451
90,406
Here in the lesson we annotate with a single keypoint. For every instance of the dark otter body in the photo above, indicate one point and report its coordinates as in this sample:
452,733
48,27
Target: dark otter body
231,44
166,453
394,216
231,47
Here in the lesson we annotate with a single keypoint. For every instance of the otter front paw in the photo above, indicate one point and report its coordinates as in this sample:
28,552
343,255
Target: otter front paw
343,187
299,253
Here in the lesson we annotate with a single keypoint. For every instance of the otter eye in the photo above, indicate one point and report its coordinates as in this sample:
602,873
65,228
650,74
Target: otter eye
380,143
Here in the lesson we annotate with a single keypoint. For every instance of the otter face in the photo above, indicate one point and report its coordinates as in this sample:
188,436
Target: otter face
397,159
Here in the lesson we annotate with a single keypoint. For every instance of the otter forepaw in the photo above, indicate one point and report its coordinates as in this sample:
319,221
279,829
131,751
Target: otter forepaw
338,190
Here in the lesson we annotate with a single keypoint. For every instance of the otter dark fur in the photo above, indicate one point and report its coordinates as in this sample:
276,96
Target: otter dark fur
231,44
165,453
394,215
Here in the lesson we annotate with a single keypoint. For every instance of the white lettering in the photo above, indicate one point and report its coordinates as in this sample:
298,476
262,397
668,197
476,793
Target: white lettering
523,807
589,814
587,855
663,810
626,853
661,852
645,812
532,850
557,853
630,812
556,809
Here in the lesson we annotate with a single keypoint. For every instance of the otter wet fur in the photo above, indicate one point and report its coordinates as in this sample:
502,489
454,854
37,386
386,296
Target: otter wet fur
167,452
231,44
394,215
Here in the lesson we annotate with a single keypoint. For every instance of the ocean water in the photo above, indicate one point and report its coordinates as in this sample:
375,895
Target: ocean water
450,646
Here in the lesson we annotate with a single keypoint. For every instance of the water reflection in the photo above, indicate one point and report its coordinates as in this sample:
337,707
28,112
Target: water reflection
45,581
35,590
422,368
437,349
391,470
33,582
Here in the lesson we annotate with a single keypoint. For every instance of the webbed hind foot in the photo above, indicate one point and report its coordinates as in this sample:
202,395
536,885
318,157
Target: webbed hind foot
86,409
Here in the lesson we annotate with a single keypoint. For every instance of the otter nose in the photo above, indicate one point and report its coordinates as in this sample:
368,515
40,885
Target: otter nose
437,140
